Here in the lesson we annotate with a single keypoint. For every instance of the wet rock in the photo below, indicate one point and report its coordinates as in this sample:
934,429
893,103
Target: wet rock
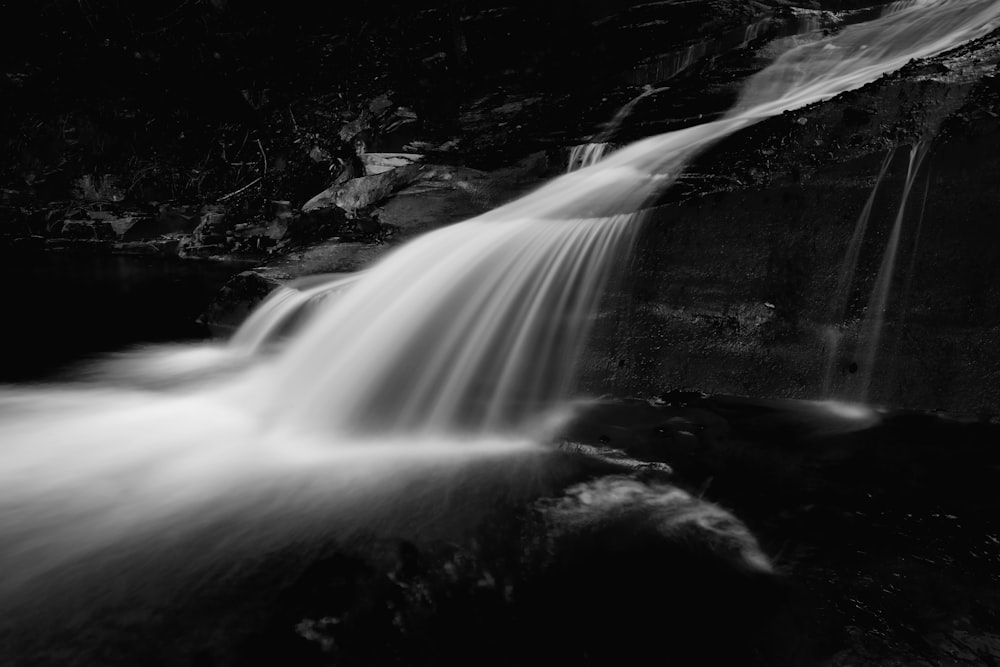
159,247
296,269
773,227
169,220
615,540
316,225
211,236
359,193
376,163
237,298
104,188
97,230
351,130
883,515
423,206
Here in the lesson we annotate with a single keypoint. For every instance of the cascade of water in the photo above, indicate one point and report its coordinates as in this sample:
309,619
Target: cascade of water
874,322
420,381
904,298
666,66
911,269
477,352
808,20
281,306
845,279
585,155
616,121
861,53
473,327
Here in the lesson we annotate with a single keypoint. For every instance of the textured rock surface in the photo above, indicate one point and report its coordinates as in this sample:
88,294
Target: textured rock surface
769,228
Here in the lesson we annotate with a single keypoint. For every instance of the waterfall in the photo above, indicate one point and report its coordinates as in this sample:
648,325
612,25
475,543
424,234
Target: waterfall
585,155
873,325
454,348
280,308
616,121
845,279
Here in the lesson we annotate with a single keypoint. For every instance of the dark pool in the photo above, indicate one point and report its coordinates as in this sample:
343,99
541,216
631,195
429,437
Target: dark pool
61,308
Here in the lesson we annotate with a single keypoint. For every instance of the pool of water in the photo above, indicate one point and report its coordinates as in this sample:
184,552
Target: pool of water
62,308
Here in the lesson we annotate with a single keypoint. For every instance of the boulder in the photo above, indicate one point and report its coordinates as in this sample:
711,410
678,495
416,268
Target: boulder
170,219
237,298
376,163
212,235
359,193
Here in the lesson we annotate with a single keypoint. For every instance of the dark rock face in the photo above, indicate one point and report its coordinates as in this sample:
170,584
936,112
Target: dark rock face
734,286
884,521
630,562
236,300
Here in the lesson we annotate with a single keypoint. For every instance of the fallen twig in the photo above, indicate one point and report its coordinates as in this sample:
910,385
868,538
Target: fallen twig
263,154
244,188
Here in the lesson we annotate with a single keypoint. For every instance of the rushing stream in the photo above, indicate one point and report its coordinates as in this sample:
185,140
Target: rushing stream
458,347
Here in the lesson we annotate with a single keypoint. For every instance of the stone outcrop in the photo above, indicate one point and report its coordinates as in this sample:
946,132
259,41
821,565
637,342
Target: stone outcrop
769,231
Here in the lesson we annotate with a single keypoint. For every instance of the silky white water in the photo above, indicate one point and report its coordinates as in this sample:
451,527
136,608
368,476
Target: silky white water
455,349
586,155
845,280
870,336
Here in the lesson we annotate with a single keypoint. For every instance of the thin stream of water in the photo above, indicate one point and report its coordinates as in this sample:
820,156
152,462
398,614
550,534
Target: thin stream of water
845,279
874,323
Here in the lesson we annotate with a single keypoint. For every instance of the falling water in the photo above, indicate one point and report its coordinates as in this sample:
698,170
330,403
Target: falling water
616,121
870,335
668,65
904,299
501,345
850,266
911,270
586,155
446,352
282,307
845,279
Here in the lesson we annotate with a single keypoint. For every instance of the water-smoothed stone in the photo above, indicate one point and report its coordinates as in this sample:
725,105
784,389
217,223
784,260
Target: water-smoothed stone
376,163
423,207
237,298
358,193
901,496
598,566
699,571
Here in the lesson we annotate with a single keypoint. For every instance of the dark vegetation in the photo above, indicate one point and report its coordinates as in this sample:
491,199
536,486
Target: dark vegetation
119,105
